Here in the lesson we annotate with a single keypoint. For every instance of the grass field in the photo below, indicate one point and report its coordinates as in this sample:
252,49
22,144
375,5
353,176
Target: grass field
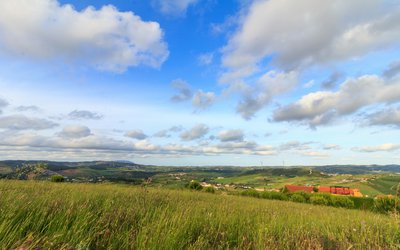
43,215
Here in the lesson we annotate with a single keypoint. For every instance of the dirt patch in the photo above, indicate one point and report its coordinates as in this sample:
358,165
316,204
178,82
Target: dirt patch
70,172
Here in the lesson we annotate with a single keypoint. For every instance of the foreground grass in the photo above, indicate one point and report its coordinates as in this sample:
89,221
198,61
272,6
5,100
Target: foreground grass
86,216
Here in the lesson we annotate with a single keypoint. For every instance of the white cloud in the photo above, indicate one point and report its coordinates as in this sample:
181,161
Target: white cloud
136,134
21,122
322,107
307,32
94,146
106,39
383,147
84,115
231,135
173,7
196,132
75,131
31,108
269,85
390,116
202,100
165,133
294,145
331,147
184,91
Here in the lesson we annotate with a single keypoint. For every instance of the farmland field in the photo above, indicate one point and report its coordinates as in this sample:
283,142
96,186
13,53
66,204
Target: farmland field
43,215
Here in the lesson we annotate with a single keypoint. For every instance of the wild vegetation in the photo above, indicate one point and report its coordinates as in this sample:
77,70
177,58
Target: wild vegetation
46,215
370,180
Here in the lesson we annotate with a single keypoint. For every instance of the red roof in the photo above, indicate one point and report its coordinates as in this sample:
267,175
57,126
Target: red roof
336,190
294,188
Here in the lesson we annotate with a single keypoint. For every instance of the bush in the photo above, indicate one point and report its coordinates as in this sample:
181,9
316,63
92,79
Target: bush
274,196
251,192
365,203
318,200
57,178
298,198
342,201
304,194
386,204
195,185
209,190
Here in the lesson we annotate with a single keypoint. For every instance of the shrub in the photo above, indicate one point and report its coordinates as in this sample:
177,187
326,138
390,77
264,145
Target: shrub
365,203
195,185
304,194
298,198
274,195
386,204
318,200
251,192
342,201
209,190
57,178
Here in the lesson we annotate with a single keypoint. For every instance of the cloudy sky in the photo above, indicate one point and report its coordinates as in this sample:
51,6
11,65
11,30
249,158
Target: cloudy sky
201,82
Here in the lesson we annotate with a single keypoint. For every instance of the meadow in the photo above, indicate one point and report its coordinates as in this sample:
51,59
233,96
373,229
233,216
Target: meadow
44,215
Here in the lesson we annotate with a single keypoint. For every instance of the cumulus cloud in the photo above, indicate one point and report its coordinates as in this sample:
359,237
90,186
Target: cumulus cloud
21,122
84,115
392,70
202,100
31,108
136,134
75,131
94,145
185,92
165,133
173,7
322,107
270,85
389,116
294,145
244,147
194,133
106,39
387,147
331,147
308,32
3,104
231,135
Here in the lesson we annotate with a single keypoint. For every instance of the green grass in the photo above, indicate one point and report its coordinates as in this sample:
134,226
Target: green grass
109,216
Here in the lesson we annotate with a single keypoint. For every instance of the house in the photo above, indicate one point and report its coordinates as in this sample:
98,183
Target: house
335,190
340,190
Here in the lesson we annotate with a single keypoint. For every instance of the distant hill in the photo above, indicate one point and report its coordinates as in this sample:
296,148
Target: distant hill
358,169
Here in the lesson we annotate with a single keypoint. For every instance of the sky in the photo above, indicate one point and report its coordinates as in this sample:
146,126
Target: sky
201,82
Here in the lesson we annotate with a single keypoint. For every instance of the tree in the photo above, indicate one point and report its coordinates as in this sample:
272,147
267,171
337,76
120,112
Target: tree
195,185
57,178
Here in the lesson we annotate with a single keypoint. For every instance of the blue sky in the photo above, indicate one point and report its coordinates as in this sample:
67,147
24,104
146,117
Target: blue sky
201,82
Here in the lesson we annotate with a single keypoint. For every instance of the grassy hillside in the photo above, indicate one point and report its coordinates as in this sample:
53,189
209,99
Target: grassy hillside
98,216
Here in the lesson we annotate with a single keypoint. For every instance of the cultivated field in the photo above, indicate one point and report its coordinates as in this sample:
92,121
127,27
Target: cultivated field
43,215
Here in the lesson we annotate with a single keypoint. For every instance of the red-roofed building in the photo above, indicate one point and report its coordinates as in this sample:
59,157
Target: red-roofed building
335,190
325,189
